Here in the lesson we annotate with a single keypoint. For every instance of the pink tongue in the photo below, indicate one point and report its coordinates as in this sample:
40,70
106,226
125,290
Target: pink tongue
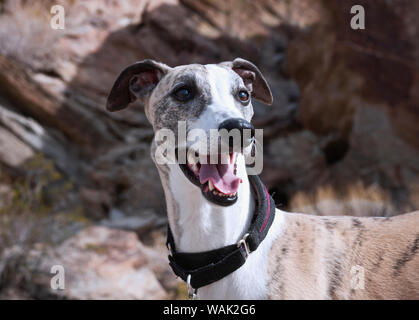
221,175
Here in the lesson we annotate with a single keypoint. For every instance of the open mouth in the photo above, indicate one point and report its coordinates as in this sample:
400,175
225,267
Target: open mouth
218,181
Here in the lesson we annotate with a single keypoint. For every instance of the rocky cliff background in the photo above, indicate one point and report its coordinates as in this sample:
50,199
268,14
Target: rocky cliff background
77,185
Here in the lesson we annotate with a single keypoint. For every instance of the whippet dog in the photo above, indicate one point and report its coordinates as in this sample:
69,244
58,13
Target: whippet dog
226,238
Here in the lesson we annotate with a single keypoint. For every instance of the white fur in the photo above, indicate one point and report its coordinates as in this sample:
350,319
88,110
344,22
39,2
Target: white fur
203,225
222,106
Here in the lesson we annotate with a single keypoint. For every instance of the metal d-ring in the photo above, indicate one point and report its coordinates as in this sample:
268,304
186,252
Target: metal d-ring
192,292
242,241
169,248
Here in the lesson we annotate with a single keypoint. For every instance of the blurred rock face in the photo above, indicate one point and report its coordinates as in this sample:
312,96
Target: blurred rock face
359,96
377,66
345,101
102,263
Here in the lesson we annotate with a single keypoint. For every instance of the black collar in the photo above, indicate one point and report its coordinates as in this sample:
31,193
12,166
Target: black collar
204,268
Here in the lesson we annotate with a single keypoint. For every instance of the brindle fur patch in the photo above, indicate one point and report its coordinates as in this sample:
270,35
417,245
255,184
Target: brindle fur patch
167,111
407,256
387,252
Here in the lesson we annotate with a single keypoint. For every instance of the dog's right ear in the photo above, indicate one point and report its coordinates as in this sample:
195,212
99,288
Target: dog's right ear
136,82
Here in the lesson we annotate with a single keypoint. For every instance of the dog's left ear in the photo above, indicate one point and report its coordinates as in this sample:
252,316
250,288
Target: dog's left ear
137,81
253,80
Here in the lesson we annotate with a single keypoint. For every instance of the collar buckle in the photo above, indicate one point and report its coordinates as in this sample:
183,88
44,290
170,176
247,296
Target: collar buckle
169,248
243,242
192,292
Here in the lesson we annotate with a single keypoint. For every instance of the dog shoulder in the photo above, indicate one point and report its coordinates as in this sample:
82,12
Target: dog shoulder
322,252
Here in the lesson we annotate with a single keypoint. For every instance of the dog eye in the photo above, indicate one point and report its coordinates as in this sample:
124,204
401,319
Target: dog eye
183,94
243,96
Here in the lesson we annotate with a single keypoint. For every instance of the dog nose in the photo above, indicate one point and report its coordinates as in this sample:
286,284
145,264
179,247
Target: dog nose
242,126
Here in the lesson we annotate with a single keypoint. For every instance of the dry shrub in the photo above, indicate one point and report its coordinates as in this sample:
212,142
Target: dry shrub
414,194
354,200
29,221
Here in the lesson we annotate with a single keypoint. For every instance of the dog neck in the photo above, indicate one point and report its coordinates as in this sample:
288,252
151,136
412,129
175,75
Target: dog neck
199,225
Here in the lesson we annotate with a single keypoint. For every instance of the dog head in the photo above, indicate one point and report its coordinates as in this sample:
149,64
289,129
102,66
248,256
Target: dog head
203,98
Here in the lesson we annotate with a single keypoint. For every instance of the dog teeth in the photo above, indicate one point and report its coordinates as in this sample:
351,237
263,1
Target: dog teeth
234,158
191,159
215,192
211,186
225,158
